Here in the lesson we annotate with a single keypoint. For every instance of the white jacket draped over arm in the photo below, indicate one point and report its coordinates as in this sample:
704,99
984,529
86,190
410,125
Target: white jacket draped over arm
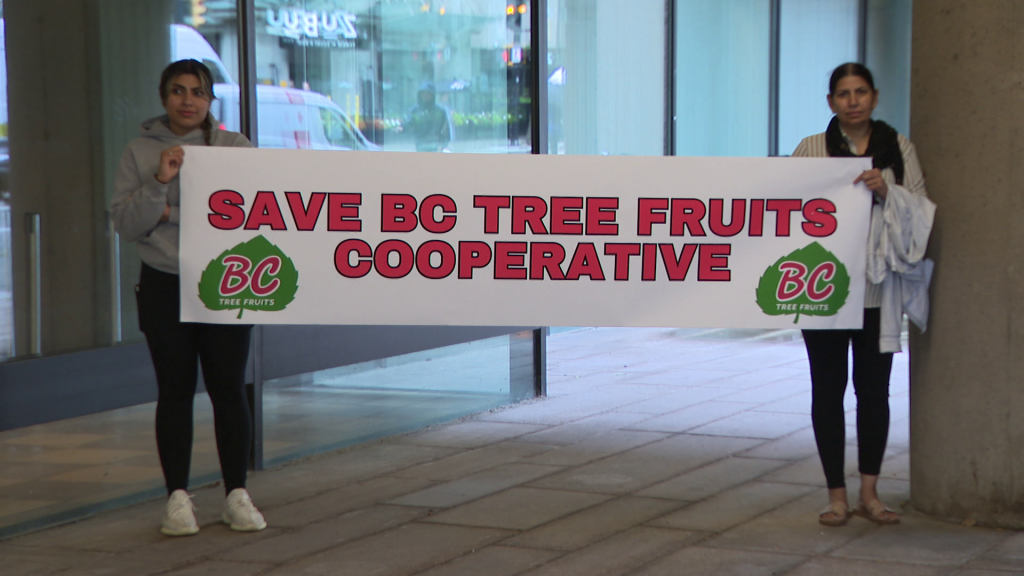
900,227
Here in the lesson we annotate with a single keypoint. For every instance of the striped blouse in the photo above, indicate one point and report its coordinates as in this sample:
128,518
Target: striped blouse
913,180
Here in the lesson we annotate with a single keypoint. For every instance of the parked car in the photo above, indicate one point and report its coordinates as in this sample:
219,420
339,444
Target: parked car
291,118
286,117
187,42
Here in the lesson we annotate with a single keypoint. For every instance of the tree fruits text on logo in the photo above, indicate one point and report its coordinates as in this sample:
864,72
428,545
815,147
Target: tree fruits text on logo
809,281
254,275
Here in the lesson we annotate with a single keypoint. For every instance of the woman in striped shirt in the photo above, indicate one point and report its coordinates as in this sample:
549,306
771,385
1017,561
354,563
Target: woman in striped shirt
852,132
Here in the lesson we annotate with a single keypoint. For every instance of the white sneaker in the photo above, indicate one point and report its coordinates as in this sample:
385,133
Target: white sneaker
241,514
180,515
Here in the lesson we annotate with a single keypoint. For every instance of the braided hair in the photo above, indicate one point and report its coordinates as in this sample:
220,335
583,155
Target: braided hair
199,70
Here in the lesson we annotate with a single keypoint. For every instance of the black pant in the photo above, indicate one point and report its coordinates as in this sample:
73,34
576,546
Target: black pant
176,349
827,352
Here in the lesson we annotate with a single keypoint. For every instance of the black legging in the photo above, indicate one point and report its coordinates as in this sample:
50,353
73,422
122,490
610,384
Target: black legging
176,349
827,352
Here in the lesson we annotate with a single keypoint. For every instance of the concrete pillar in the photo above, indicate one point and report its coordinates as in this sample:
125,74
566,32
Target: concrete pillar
967,372
48,75
81,77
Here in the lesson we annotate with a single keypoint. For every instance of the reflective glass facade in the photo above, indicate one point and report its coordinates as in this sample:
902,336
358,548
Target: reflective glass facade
338,407
723,78
338,74
606,77
602,77
646,77
814,38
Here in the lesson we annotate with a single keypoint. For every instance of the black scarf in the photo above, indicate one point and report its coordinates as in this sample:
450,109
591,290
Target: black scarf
883,148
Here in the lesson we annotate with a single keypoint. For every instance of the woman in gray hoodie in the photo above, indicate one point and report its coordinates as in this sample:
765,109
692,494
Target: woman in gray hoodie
145,210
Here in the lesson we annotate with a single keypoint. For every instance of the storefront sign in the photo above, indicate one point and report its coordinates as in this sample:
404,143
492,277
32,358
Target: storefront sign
334,29
316,237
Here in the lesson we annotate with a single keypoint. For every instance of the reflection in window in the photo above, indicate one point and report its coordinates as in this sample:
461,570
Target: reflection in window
363,72
350,404
6,272
338,131
132,59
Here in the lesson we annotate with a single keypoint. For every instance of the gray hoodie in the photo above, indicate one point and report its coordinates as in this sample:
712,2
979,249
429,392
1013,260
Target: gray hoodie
139,200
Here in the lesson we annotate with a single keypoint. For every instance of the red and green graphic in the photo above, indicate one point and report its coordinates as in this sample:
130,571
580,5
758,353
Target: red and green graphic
809,281
254,275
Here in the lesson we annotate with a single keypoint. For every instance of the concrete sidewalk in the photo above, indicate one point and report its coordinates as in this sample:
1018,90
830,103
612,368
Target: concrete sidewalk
657,452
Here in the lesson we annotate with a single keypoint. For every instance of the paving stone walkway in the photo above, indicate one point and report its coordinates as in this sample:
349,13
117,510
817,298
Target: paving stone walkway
657,452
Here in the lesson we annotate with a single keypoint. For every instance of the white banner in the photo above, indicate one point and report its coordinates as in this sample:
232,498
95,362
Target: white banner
317,237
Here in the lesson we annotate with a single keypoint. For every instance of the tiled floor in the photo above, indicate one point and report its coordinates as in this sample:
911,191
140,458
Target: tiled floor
658,452
69,469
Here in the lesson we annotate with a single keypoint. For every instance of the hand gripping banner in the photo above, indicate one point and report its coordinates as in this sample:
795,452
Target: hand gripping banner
317,237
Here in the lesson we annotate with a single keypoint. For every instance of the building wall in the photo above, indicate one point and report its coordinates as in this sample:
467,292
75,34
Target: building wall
52,166
967,88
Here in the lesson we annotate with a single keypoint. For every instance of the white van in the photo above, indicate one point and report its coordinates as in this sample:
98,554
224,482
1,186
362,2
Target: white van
290,118
187,42
286,117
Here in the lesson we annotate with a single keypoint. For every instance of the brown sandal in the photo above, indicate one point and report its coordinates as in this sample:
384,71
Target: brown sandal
875,513
838,518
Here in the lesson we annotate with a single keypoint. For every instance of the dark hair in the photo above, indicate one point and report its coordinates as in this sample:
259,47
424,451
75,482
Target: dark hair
850,69
197,69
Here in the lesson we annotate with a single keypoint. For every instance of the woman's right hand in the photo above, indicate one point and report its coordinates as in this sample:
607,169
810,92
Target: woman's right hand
170,163
874,181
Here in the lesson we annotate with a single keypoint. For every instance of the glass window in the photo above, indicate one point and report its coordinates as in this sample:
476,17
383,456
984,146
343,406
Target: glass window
425,76
606,77
722,77
207,32
6,254
339,131
815,38
888,34
342,406
76,290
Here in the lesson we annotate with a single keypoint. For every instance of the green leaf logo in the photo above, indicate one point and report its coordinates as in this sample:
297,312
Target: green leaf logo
254,275
809,281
